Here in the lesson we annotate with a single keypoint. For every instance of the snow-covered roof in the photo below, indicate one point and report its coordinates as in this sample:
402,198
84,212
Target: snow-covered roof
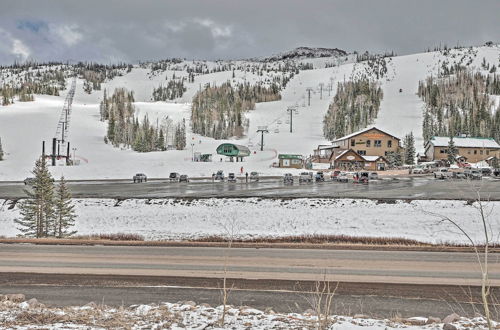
361,132
465,142
371,158
341,154
326,147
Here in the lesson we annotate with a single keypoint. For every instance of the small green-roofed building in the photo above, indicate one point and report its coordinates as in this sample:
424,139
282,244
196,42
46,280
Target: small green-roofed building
233,151
290,161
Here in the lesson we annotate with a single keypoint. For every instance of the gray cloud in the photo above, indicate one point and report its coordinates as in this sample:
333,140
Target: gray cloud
129,30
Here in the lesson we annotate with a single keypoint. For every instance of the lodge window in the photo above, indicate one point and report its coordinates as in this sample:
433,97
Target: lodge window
475,152
389,144
362,152
488,152
443,151
368,143
377,143
296,162
353,143
468,152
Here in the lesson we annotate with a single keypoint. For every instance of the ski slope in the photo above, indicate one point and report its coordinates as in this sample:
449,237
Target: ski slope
23,126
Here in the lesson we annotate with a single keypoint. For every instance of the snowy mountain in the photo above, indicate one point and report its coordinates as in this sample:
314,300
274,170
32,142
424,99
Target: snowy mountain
24,125
306,52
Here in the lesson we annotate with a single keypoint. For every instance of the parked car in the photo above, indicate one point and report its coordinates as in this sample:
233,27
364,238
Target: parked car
319,177
29,181
473,174
183,178
418,170
361,177
485,171
140,177
373,176
335,174
459,175
496,172
254,176
288,178
442,173
219,175
174,177
342,177
231,177
305,177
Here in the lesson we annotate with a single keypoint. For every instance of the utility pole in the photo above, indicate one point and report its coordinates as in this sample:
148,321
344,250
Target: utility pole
309,90
321,90
291,110
331,85
262,130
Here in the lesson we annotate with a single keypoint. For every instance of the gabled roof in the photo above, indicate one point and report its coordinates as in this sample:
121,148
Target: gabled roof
289,156
361,132
342,153
371,158
464,142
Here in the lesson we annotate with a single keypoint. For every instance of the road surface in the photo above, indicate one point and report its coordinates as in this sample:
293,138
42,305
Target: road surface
368,266
382,283
387,188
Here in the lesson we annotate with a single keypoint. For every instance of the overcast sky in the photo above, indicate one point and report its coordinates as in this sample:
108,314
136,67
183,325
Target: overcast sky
135,30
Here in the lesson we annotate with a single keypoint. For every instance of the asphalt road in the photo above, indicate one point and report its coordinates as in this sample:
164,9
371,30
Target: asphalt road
368,266
378,283
389,188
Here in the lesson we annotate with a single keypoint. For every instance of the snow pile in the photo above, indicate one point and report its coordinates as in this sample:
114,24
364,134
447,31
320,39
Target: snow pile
188,315
173,219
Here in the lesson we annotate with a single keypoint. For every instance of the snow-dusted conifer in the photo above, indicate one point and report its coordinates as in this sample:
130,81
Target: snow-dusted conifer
409,145
37,211
64,211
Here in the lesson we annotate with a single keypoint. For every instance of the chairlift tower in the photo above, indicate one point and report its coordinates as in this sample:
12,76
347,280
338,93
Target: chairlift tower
321,90
291,110
262,130
309,90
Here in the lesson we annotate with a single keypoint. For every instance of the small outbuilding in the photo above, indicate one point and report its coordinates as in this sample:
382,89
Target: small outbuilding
233,151
290,161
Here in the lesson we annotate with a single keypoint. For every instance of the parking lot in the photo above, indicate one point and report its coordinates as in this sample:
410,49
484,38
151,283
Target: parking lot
415,187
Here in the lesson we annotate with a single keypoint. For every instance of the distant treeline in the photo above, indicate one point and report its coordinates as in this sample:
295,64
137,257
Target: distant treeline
124,128
354,107
461,103
175,88
218,111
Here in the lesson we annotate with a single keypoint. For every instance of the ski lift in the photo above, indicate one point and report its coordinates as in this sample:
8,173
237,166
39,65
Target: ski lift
280,122
287,121
296,111
276,130
303,104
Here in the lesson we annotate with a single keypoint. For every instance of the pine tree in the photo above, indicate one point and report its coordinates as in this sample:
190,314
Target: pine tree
394,159
37,211
64,211
1,150
452,151
409,145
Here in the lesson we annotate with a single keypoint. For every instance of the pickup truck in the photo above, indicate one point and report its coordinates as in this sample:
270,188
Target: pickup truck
443,173
140,177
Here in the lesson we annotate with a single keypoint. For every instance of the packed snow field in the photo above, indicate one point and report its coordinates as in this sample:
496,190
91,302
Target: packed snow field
172,219
18,314
23,126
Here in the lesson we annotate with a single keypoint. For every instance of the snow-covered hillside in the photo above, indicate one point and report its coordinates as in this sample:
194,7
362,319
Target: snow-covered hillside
23,126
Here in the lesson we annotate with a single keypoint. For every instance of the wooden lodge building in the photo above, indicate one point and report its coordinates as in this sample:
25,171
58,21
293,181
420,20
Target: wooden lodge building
363,150
470,149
